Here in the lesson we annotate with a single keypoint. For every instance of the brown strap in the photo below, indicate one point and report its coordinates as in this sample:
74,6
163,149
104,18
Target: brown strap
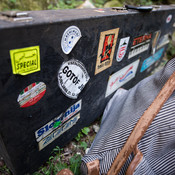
142,125
65,172
93,167
136,160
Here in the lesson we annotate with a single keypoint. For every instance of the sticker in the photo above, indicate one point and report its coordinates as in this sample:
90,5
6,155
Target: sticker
72,78
59,131
163,41
168,19
106,49
57,121
121,77
151,60
100,10
140,44
26,60
31,94
70,38
155,40
122,48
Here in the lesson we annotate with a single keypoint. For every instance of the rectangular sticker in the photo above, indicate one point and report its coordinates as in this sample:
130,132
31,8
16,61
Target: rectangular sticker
26,60
139,45
156,36
59,131
106,49
163,41
121,77
58,121
151,60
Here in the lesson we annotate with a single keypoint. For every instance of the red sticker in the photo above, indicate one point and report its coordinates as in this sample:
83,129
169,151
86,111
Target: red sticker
31,94
107,47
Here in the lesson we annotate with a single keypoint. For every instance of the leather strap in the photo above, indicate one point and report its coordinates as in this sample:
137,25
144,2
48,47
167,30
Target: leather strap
142,125
138,156
93,167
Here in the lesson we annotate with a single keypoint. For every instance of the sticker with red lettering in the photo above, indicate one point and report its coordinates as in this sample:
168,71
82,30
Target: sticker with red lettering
106,49
122,48
169,18
139,45
121,77
72,78
31,94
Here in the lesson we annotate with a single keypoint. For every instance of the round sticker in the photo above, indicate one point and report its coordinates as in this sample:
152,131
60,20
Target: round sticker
168,19
31,94
69,39
72,78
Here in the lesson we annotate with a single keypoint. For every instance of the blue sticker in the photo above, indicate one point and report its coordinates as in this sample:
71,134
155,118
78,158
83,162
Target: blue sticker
151,60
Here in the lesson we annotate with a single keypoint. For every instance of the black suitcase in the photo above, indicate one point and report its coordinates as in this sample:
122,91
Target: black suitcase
59,69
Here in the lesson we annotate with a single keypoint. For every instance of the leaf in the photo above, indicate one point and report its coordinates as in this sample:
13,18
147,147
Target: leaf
85,130
84,145
78,137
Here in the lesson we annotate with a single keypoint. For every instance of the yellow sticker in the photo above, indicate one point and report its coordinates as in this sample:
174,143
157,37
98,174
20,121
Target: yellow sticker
26,60
106,49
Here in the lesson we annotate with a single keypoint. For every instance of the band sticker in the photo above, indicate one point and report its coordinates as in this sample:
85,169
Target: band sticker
121,77
69,39
31,94
163,41
106,49
72,78
57,121
151,60
122,48
26,60
140,44
155,41
58,132
169,18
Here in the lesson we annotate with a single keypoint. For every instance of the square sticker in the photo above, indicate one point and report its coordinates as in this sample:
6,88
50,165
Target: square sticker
26,60
106,49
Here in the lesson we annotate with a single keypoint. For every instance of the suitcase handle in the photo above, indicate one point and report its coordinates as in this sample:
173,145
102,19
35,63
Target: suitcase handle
140,8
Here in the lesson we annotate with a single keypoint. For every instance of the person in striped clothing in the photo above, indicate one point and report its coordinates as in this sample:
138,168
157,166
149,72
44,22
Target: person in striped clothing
119,118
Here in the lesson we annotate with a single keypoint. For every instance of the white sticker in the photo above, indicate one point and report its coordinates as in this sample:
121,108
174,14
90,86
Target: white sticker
57,121
122,48
72,78
69,39
59,131
168,19
121,77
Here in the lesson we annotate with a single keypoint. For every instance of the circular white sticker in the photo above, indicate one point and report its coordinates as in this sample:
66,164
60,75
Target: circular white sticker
168,19
72,78
69,39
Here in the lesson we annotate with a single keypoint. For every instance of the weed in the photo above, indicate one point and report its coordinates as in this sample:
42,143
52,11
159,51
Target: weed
75,162
84,131
83,145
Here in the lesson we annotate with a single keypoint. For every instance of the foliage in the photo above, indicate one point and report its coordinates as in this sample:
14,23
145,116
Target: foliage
80,134
24,5
54,164
38,4
4,170
83,145
75,162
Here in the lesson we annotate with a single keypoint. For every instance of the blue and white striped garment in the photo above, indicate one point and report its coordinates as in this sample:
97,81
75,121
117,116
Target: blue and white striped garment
119,118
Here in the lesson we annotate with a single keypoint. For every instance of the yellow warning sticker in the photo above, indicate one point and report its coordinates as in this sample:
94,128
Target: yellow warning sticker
26,60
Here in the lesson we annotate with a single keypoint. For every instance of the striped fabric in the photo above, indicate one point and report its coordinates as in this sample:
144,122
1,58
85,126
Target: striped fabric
120,116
